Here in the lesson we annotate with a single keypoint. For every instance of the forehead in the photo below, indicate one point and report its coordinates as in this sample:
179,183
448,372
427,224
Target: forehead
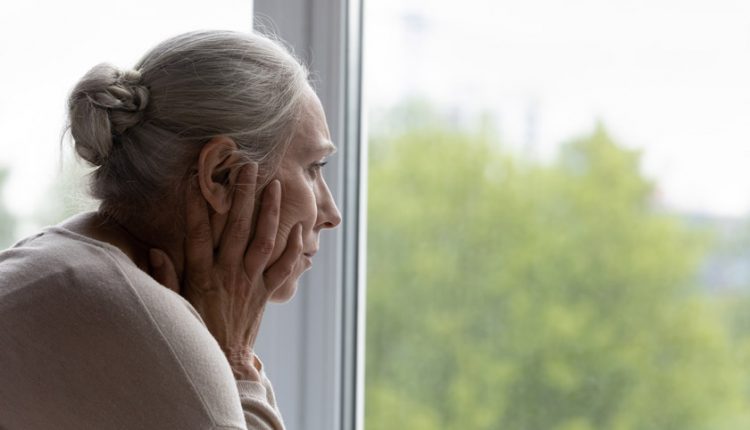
312,136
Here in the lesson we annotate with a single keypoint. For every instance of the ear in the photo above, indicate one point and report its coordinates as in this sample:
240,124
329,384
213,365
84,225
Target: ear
218,164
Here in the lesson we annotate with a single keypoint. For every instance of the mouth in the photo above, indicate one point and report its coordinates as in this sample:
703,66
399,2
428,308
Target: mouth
308,259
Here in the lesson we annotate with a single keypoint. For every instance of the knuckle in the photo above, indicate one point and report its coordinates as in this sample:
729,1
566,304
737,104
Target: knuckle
272,210
243,221
265,245
240,228
238,236
242,193
200,233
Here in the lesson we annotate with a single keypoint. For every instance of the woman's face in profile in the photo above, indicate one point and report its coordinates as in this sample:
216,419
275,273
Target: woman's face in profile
305,197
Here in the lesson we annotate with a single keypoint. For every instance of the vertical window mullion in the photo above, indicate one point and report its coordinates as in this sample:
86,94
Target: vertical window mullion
355,186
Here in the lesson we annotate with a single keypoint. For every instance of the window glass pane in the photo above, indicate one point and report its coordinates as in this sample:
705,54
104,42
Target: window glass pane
558,231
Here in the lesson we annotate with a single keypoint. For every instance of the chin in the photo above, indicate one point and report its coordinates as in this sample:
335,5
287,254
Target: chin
285,292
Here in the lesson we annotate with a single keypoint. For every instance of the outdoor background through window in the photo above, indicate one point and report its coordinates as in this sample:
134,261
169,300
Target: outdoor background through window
558,229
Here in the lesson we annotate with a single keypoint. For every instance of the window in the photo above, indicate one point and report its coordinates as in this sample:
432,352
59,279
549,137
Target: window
558,214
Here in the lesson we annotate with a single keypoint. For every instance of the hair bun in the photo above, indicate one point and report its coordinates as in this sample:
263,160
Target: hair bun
102,107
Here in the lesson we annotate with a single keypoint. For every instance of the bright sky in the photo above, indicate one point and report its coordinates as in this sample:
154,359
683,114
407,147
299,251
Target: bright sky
669,76
46,46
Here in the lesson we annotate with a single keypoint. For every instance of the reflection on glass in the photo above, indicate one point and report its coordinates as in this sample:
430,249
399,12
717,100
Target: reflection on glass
558,215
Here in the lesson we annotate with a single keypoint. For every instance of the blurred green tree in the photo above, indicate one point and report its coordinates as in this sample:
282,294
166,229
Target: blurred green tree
510,294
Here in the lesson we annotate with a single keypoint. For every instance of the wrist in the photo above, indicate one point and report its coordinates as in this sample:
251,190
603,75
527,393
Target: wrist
245,372
243,363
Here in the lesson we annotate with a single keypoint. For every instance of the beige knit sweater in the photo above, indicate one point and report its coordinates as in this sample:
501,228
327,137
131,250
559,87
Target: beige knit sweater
89,341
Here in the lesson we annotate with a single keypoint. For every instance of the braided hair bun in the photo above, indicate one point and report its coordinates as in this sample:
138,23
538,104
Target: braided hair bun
102,107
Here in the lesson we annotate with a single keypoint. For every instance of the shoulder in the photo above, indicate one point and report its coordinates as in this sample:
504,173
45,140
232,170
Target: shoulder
60,265
51,253
71,277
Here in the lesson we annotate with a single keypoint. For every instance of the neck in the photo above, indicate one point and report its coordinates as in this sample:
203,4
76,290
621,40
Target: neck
134,239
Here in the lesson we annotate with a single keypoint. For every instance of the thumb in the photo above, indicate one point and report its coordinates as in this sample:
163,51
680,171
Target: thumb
162,269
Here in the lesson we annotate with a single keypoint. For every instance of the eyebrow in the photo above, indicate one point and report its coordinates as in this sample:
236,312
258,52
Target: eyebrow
328,147
324,148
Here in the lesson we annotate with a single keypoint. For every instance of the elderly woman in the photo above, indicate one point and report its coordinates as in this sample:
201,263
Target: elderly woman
143,314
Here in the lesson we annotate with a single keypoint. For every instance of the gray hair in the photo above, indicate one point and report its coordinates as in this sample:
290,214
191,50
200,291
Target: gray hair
143,128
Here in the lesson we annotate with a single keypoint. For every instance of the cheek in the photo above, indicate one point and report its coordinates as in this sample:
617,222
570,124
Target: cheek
297,206
287,291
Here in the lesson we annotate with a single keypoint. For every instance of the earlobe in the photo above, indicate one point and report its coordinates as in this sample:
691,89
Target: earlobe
218,164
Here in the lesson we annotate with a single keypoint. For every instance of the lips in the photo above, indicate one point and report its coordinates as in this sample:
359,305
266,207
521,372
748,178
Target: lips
309,258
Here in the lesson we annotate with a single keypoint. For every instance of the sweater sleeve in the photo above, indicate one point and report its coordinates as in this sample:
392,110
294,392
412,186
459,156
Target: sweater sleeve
258,401
259,412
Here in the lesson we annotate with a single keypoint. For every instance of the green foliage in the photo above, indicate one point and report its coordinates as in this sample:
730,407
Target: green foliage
513,295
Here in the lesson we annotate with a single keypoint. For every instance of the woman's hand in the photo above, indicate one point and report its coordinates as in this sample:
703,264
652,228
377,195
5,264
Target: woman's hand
229,286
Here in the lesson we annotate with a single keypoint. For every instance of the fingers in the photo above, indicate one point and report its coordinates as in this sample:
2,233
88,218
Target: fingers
267,226
163,271
280,271
236,232
199,247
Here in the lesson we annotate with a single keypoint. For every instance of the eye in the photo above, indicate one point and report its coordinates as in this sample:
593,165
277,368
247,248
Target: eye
316,167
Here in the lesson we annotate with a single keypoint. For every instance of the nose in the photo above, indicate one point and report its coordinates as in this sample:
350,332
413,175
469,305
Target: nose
328,214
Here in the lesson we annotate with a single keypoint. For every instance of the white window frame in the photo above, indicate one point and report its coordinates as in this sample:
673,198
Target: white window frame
313,346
